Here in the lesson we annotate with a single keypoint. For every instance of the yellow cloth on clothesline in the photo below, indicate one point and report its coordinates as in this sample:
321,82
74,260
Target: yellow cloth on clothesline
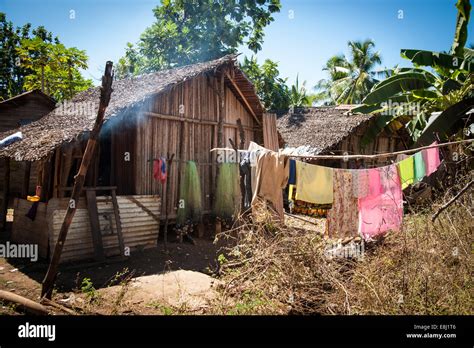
407,171
314,183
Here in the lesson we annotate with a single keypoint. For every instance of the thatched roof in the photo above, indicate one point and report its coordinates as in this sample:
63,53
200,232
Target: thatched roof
31,96
43,136
319,128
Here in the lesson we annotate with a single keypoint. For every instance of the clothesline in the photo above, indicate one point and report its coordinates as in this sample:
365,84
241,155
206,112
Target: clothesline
380,155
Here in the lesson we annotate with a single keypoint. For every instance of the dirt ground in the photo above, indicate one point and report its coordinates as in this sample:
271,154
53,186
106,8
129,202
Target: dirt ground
24,278
178,279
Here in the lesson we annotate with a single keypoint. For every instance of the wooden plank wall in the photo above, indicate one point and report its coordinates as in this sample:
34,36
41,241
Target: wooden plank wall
383,143
139,216
195,100
27,231
17,173
31,109
270,134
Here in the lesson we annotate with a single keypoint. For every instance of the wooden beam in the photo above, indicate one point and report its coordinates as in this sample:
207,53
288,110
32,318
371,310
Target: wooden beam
24,303
118,223
26,180
105,92
220,123
243,98
191,120
95,225
6,191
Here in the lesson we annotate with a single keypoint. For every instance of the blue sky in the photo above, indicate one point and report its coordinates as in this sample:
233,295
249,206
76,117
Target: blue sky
303,36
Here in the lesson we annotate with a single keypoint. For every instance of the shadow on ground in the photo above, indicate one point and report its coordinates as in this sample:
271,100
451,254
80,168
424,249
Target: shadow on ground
200,256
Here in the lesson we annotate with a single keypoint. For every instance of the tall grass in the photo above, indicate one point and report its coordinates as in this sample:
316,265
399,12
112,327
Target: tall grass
424,269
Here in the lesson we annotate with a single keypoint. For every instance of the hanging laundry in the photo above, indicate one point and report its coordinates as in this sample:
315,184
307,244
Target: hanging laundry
407,171
246,174
190,199
360,182
159,169
31,214
306,208
419,165
227,201
291,189
375,182
342,218
292,175
383,211
314,183
431,157
11,139
271,178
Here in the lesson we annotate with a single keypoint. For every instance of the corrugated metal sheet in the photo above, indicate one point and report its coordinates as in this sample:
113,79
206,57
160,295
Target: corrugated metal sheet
139,217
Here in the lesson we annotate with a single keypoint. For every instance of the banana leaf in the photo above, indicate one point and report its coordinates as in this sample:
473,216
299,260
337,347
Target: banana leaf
442,124
397,84
433,59
378,125
462,20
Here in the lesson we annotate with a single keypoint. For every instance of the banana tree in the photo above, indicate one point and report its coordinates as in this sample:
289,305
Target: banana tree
411,95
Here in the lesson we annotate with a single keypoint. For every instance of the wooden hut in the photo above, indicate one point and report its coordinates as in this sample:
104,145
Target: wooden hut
15,112
184,111
335,130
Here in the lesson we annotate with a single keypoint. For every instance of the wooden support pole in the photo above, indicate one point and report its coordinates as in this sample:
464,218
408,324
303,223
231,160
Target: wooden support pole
220,123
105,92
169,162
24,303
26,180
242,179
6,191
118,223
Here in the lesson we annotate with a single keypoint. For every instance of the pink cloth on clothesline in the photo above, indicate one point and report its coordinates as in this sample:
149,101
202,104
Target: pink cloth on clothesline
382,209
431,158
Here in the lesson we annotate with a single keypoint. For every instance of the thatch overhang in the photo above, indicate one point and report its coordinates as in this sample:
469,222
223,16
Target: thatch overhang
319,128
40,138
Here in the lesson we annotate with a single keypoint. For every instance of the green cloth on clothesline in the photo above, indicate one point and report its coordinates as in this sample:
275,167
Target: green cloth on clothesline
190,199
419,164
228,195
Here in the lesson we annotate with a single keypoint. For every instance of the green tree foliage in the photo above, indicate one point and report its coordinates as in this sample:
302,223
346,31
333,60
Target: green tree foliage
33,58
190,31
12,72
53,68
271,88
350,79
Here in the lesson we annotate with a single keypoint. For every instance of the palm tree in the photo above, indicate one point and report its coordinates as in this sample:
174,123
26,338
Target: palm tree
350,80
299,97
337,68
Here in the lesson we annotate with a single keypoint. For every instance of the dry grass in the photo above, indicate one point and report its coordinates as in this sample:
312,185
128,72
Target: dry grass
425,269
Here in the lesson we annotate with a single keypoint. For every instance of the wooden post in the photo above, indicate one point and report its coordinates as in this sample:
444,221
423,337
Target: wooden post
6,191
95,225
242,180
169,161
220,130
118,222
220,124
105,92
26,180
